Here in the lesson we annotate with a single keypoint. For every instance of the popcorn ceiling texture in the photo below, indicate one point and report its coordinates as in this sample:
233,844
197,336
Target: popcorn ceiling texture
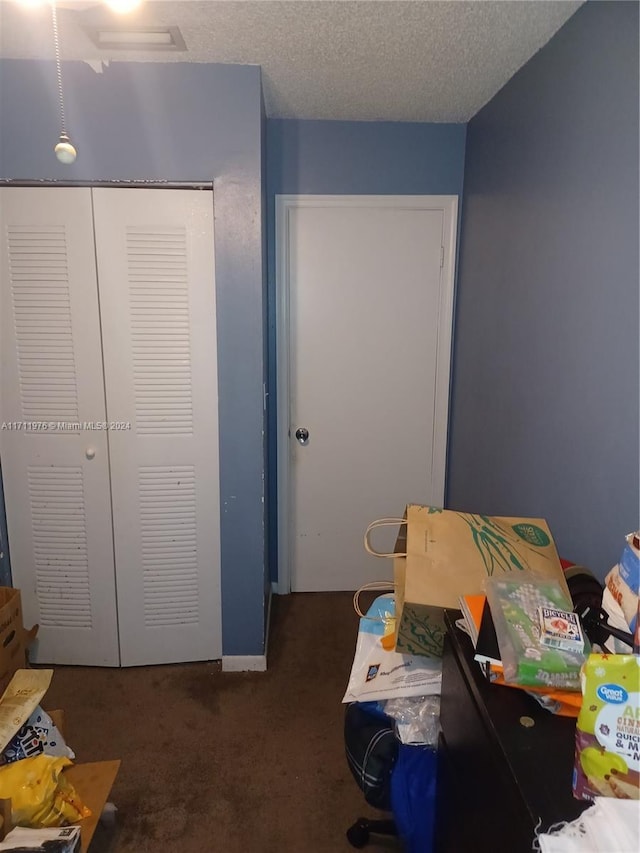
421,60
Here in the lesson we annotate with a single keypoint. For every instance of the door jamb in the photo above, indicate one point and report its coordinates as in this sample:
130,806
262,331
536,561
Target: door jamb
284,204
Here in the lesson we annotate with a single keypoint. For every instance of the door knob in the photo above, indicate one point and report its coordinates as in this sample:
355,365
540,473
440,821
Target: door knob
90,452
302,435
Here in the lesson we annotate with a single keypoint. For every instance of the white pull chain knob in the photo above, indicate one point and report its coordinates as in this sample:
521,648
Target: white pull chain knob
90,452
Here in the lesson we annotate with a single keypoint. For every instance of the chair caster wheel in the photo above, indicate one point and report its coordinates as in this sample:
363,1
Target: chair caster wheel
358,834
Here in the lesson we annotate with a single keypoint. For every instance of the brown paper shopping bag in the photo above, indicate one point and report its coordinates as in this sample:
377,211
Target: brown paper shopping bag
442,554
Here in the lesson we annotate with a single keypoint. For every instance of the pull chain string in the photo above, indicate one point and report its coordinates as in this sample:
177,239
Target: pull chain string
56,42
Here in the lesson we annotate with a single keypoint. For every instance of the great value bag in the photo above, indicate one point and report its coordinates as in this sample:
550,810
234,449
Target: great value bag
607,762
442,554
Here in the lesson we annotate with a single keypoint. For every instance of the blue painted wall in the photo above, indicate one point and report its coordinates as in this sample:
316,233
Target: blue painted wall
341,157
546,362
179,122
5,564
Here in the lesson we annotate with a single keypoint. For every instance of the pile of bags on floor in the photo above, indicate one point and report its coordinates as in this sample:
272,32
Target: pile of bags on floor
392,722
33,754
441,560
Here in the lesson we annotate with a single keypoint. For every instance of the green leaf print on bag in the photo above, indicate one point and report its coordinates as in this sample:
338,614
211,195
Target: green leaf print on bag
422,633
532,534
497,553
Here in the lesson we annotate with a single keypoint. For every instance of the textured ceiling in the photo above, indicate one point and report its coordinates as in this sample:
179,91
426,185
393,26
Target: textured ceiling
421,60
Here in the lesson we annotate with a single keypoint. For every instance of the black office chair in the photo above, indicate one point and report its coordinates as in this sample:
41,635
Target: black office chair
371,749
359,834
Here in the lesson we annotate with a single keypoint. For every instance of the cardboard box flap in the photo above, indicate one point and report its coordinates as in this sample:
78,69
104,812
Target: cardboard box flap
93,783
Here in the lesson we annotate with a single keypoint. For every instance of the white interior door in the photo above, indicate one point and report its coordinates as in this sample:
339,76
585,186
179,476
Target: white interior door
55,469
366,288
155,258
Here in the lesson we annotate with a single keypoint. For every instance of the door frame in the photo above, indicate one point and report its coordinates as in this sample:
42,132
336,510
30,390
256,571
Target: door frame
448,204
6,576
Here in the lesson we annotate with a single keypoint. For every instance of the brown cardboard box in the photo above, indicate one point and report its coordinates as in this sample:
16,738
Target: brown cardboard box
93,783
12,635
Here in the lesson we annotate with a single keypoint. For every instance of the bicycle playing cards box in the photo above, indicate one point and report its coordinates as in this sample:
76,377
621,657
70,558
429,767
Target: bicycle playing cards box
560,629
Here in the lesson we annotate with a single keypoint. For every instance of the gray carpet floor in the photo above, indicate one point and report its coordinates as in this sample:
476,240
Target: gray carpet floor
228,762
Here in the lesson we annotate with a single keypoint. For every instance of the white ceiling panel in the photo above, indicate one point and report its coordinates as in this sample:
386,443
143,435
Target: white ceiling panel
393,60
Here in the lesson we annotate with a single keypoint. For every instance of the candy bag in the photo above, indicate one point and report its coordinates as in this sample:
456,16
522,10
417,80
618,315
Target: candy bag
40,795
607,760
38,735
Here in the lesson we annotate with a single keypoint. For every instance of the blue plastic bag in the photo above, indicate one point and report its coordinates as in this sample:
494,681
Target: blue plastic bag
413,796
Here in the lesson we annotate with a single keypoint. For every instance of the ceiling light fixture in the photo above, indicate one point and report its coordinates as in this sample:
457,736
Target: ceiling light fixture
64,150
122,7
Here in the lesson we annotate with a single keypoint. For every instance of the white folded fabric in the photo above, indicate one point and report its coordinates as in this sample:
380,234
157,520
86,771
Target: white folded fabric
608,826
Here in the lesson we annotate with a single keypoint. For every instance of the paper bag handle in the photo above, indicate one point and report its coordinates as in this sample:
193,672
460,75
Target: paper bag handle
381,522
377,586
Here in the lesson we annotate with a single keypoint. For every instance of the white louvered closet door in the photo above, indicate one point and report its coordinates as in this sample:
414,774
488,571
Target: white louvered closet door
155,259
55,472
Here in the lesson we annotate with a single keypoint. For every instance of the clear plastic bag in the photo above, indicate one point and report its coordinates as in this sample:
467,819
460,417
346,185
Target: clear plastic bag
417,718
514,602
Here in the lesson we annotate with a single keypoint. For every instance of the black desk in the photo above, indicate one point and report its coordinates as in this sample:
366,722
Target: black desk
497,779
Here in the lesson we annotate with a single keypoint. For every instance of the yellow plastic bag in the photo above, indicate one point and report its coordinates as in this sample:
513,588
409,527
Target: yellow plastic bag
40,794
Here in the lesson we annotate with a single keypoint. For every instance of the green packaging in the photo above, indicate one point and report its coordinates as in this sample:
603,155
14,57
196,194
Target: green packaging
514,602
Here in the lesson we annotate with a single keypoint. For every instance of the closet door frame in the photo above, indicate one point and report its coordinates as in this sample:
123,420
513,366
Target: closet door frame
216,651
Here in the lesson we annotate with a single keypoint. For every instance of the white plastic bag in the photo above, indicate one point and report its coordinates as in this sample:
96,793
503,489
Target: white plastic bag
380,673
58,839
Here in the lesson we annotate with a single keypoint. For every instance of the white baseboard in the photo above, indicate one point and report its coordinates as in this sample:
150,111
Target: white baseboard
244,663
